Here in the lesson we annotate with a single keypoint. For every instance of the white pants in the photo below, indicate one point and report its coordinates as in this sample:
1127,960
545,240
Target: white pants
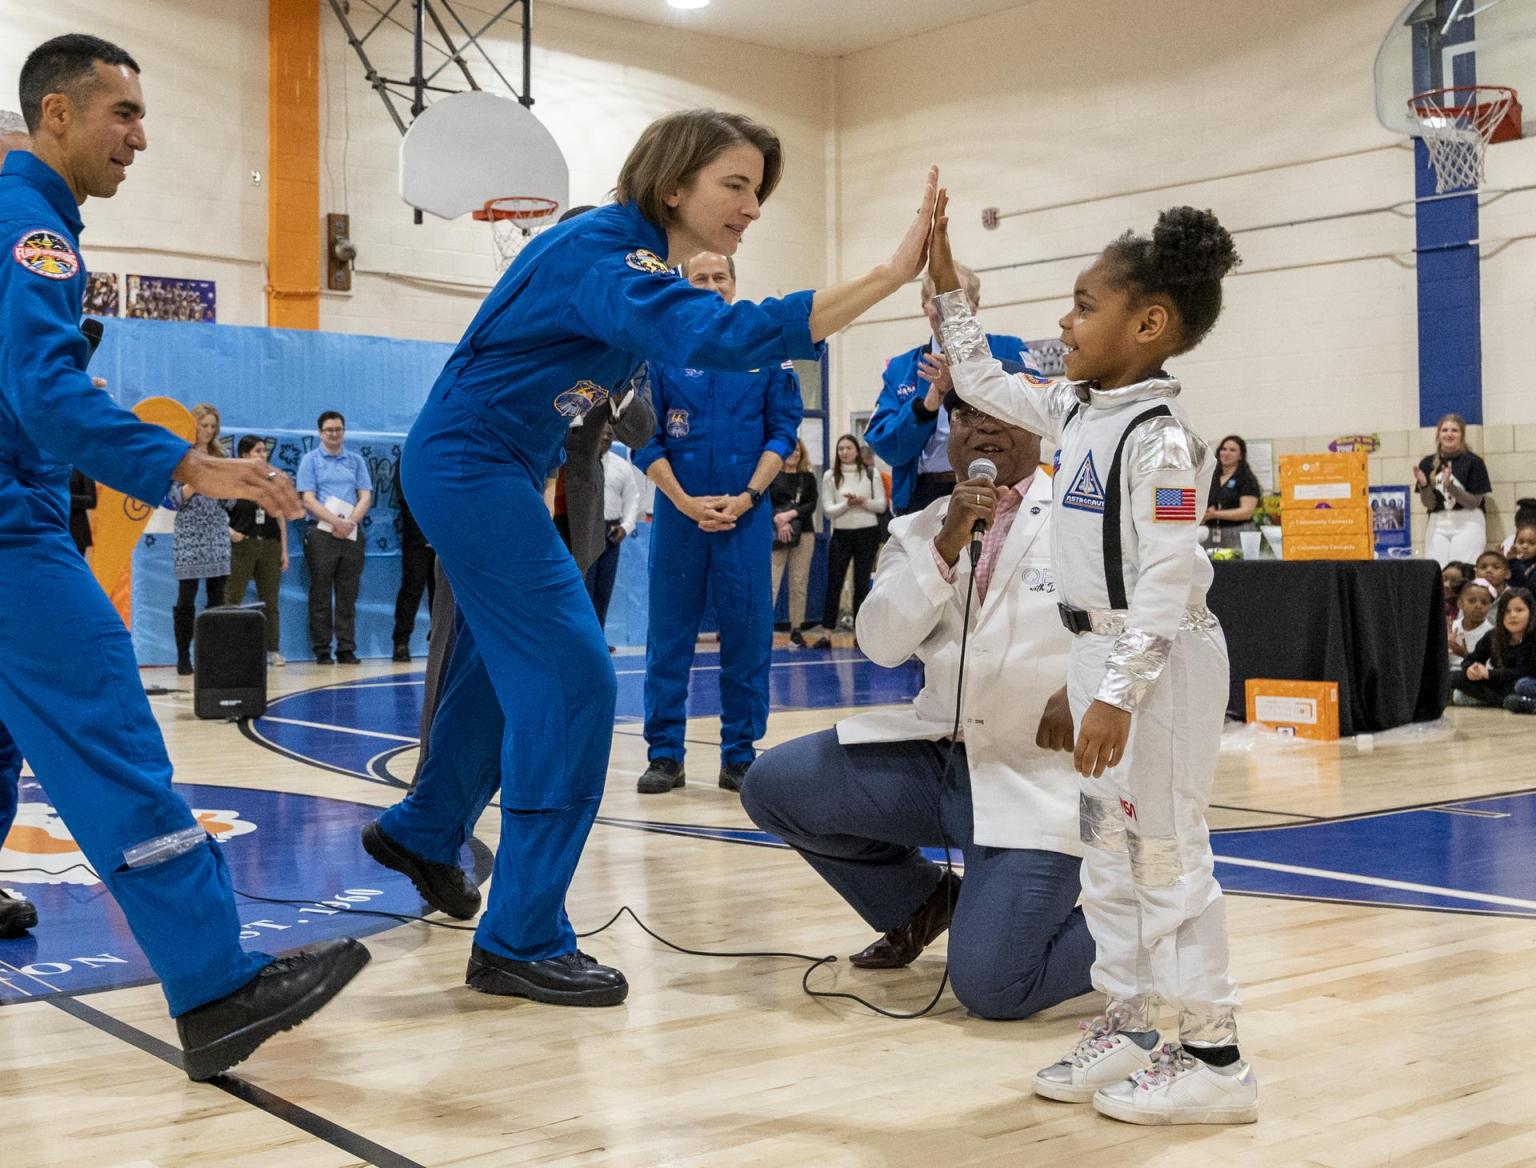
1456,535
1149,886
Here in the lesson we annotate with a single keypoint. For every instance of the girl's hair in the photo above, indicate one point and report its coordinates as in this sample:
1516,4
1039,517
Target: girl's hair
1525,512
1183,259
805,455
216,446
837,462
1498,652
674,148
248,443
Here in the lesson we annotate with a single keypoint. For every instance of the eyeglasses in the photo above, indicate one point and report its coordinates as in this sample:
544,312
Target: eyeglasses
969,416
333,429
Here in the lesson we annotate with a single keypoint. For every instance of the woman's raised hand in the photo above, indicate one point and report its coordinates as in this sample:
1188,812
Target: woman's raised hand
941,261
907,261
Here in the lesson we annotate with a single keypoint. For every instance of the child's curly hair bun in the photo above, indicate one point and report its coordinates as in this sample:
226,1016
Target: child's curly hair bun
1184,259
1190,246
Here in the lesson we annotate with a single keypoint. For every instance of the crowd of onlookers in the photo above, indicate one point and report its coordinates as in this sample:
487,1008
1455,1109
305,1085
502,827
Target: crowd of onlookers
1488,608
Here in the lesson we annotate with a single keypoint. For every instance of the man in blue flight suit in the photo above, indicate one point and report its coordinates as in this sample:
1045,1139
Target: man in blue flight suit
17,913
909,428
70,697
721,438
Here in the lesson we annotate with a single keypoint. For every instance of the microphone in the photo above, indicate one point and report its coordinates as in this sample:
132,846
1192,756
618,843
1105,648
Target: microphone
980,468
93,331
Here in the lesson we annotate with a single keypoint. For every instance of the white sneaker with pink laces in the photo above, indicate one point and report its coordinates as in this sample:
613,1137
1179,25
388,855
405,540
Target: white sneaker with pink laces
1101,1058
1179,1088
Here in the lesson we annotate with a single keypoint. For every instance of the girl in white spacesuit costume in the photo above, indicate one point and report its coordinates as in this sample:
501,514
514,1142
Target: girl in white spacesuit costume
1148,675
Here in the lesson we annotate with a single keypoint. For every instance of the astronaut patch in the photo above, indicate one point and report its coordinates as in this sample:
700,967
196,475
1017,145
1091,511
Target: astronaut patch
677,423
1085,493
1038,382
47,254
577,401
647,261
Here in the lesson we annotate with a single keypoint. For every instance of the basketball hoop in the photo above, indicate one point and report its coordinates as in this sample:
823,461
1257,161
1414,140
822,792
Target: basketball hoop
514,220
1457,125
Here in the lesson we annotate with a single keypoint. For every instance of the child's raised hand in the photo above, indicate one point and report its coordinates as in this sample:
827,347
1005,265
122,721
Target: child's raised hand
941,260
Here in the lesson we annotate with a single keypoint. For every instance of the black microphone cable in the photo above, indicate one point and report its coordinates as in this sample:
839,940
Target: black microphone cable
815,963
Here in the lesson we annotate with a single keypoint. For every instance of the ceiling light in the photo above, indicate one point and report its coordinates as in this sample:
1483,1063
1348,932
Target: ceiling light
688,3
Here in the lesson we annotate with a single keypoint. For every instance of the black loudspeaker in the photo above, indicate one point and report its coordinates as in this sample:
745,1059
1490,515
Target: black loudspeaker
229,651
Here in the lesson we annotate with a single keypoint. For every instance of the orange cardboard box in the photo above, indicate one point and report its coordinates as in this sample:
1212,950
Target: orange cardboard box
1331,547
1335,479
1299,522
1307,709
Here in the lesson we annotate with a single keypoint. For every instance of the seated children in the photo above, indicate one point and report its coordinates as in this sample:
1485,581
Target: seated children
1501,669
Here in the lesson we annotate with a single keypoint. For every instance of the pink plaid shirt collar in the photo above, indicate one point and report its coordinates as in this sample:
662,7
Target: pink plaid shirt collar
1009,500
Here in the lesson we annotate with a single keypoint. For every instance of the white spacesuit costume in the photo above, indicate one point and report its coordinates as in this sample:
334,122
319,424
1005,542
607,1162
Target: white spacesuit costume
1130,487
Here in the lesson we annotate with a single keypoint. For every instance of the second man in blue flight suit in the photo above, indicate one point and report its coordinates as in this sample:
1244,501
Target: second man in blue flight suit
721,438
909,428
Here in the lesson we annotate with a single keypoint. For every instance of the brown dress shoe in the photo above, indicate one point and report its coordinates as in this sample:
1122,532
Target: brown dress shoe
901,946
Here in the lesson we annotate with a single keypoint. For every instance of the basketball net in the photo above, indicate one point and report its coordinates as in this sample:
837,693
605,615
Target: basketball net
1456,126
514,221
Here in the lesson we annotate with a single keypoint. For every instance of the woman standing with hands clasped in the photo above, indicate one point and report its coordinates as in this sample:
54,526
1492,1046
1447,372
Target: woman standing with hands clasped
1452,483
792,495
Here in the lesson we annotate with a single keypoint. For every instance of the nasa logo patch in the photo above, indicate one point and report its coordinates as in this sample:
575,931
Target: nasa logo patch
1031,379
677,423
646,261
903,392
578,401
47,254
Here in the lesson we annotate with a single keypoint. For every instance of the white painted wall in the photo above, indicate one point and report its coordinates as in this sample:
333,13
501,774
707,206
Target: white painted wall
598,81
1062,108
188,208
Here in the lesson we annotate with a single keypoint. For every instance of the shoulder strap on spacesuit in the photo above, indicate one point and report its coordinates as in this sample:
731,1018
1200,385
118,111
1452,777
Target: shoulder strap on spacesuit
1114,565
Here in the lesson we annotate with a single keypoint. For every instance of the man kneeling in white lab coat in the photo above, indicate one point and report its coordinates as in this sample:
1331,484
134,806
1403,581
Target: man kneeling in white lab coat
860,800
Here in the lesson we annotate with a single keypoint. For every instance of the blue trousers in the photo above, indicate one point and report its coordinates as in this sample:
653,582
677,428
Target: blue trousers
10,782
859,814
528,692
734,568
71,698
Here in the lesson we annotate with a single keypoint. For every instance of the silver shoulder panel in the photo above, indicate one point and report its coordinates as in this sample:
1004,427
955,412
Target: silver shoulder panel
1165,444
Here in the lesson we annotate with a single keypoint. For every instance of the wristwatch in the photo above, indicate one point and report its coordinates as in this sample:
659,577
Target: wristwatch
755,495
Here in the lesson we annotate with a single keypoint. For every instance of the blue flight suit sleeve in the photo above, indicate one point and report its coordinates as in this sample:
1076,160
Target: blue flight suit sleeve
653,451
782,412
663,318
43,356
898,430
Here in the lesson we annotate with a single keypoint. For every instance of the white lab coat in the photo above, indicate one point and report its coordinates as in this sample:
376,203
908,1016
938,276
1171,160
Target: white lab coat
1022,797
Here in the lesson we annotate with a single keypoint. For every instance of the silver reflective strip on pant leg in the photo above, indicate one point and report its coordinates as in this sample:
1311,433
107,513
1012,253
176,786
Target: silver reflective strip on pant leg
164,847
1101,823
1136,1014
1207,1026
1155,862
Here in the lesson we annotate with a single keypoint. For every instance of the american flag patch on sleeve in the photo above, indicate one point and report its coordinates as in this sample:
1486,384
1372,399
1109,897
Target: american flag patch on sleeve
1173,505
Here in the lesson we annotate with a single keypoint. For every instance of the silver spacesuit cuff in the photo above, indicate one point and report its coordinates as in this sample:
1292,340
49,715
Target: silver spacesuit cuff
959,330
1207,1025
1134,664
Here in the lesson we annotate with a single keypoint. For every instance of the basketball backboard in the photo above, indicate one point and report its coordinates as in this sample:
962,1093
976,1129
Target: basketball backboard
1433,44
471,147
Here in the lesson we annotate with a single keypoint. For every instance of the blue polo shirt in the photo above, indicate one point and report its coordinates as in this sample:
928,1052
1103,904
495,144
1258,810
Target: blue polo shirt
342,475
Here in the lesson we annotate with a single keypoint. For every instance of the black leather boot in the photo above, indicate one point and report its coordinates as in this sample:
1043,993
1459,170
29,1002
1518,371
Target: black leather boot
184,619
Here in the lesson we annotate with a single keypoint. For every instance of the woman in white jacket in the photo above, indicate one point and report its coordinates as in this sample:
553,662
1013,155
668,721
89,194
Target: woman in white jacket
852,498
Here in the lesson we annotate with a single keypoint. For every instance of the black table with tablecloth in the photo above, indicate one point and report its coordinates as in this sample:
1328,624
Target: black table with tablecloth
1377,627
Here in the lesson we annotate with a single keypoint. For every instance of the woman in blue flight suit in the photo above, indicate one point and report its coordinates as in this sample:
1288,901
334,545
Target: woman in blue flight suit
527,704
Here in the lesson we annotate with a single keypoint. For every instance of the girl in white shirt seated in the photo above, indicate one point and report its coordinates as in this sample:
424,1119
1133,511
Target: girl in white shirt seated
1472,625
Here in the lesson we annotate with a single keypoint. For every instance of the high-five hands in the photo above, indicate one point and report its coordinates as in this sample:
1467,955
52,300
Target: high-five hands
941,260
906,263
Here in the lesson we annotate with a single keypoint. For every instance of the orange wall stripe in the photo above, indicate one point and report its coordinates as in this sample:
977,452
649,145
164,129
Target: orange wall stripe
293,164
